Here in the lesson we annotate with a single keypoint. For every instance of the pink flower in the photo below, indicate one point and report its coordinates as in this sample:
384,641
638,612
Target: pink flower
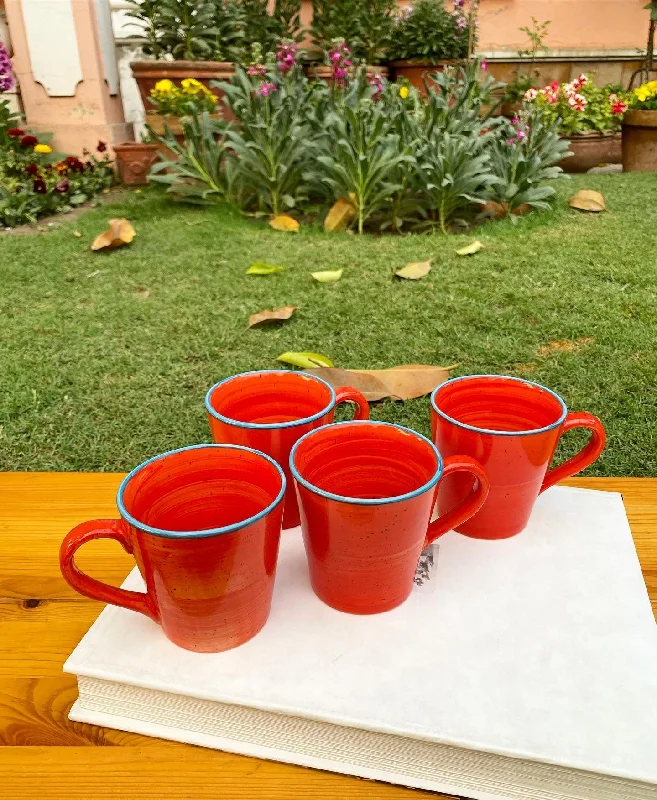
257,70
521,135
515,121
484,65
618,107
578,83
286,55
531,94
376,82
461,23
267,88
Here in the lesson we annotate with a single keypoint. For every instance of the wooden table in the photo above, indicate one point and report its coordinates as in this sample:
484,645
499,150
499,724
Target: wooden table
45,756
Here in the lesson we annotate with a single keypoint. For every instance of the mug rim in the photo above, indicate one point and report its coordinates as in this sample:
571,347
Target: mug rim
263,426
206,532
367,501
492,431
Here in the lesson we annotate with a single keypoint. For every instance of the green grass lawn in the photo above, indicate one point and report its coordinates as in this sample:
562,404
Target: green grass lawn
105,359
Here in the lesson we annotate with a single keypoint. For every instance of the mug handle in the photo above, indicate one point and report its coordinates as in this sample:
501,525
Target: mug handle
585,457
469,506
90,587
347,394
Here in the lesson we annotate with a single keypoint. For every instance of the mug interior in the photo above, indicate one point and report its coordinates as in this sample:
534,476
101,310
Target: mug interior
270,398
201,489
366,461
499,404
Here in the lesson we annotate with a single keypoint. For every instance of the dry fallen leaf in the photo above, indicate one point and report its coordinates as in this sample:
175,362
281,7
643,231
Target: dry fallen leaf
260,268
414,271
278,315
399,383
471,249
564,346
305,360
328,276
283,222
341,215
141,292
588,200
119,233
77,233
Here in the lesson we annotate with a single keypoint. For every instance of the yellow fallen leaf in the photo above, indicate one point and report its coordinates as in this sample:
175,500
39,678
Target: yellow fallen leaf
278,315
341,215
283,222
414,270
119,233
328,276
470,249
588,200
260,268
305,360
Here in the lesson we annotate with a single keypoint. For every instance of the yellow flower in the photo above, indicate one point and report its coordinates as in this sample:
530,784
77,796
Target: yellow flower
192,86
43,148
403,92
164,86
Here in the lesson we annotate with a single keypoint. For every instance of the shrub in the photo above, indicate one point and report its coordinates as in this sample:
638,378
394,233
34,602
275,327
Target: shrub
367,25
428,32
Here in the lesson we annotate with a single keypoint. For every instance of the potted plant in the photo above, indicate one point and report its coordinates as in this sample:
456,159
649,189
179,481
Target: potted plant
427,37
366,25
590,118
134,161
640,130
526,74
198,39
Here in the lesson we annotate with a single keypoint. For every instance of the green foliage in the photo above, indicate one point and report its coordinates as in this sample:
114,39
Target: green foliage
366,26
270,146
34,183
360,151
523,158
198,171
430,33
526,75
581,106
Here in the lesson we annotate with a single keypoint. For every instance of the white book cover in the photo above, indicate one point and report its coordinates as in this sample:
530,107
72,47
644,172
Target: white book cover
520,668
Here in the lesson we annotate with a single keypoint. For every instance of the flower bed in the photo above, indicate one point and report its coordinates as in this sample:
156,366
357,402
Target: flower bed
402,161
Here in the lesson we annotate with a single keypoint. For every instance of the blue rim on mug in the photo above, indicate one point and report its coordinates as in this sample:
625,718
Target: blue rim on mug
492,432
361,501
269,425
206,533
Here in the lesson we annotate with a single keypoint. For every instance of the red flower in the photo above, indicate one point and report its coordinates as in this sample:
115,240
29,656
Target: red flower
62,186
101,147
16,132
29,141
74,163
32,169
39,186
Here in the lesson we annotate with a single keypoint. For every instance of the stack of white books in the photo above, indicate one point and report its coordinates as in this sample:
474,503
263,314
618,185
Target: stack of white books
522,668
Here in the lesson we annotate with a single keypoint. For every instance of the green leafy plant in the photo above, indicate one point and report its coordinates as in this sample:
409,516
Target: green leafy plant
198,171
360,151
366,25
270,145
527,75
429,33
523,158
332,19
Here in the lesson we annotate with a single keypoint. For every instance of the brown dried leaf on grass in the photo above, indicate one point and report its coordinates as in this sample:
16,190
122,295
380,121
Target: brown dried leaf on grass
342,214
588,200
283,222
564,346
267,316
399,383
119,233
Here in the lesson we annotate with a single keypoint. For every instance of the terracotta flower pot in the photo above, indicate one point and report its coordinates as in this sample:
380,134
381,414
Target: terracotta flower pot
134,161
148,73
592,149
640,141
416,71
322,72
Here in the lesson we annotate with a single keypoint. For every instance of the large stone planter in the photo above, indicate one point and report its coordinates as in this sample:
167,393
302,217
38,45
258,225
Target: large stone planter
640,141
134,161
591,150
416,72
148,73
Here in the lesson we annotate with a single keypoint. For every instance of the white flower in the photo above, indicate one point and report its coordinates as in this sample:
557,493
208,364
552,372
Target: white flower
531,94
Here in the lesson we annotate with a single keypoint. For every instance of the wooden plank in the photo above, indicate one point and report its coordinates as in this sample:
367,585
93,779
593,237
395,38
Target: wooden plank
181,773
